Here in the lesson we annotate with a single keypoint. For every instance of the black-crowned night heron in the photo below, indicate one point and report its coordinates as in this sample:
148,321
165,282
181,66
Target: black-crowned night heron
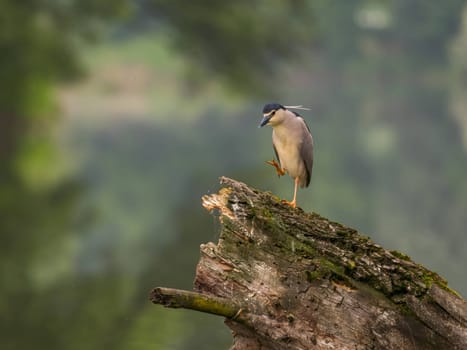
292,143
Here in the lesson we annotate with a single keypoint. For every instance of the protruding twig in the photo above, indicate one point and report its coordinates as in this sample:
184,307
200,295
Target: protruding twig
177,298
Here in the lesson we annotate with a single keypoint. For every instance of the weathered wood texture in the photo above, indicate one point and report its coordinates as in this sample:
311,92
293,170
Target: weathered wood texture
305,282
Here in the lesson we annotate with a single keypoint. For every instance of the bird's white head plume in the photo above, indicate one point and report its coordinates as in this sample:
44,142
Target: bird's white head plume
298,107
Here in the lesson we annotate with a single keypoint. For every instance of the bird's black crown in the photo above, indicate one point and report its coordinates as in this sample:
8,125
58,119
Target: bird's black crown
272,107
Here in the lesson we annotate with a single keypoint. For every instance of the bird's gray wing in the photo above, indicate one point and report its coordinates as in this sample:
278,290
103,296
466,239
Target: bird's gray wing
306,151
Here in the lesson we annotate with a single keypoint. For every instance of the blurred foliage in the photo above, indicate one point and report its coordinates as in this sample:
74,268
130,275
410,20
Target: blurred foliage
458,102
401,148
100,207
39,44
239,41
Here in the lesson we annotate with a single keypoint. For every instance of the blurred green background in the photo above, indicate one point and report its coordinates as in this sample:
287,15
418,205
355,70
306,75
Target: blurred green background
117,116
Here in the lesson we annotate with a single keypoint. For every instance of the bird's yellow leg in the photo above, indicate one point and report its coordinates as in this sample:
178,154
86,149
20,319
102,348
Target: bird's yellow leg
294,200
293,203
276,165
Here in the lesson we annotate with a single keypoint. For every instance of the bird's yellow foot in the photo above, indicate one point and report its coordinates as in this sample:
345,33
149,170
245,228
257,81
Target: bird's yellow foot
293,204
276,165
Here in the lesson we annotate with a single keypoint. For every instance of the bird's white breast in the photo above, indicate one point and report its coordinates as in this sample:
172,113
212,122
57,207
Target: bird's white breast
287,139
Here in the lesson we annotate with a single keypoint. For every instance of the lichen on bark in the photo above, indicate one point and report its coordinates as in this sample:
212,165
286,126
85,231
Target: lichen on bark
286,279
311,282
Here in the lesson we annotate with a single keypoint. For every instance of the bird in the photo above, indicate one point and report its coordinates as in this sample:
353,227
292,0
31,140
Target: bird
292,143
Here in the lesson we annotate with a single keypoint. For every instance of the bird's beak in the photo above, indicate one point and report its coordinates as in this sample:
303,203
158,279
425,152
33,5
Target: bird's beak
264,121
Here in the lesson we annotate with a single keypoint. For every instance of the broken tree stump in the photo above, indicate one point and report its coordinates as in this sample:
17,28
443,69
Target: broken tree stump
286,279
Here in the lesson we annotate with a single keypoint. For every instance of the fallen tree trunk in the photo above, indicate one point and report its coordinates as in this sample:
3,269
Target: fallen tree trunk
286,279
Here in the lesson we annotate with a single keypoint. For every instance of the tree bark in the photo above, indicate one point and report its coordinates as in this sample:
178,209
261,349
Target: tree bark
287,279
